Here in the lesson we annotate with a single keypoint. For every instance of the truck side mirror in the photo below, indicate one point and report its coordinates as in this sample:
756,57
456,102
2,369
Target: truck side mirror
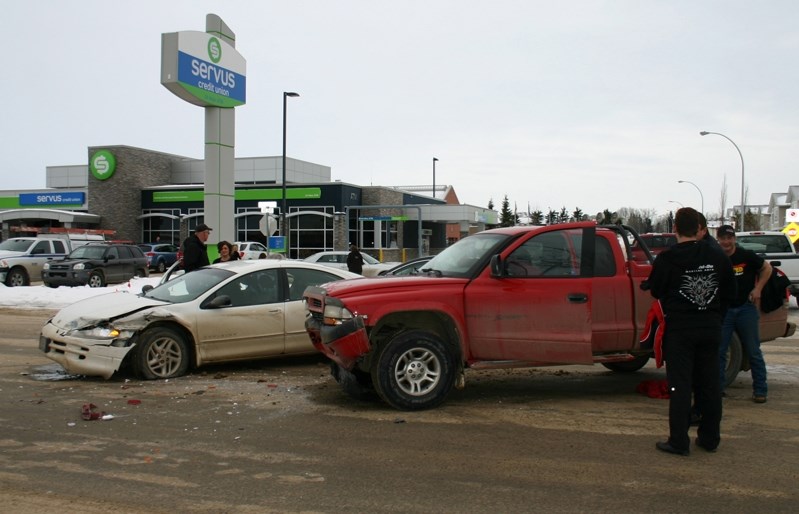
497,267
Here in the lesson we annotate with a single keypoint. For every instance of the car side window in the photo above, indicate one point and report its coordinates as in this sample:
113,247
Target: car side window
299,279
112,253
256,288
604,263
59,247
124,252
41,247
553,257
327,258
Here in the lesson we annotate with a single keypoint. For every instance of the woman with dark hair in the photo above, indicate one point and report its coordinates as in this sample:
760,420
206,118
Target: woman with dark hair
225,252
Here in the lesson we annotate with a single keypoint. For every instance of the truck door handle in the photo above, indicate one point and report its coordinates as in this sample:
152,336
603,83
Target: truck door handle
577,297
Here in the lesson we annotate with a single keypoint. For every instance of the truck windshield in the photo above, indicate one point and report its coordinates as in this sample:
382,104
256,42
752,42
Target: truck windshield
461,259
15,245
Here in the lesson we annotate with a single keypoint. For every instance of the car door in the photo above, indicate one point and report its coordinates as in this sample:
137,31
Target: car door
126,264
540,311
112,267
252,326
297,340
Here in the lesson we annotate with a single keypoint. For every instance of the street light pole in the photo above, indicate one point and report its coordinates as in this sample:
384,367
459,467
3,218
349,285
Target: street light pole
678,203
701,196
283,230
434,176
743,198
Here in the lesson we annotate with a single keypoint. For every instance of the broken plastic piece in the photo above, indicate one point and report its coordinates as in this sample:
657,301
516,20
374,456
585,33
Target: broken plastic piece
89,414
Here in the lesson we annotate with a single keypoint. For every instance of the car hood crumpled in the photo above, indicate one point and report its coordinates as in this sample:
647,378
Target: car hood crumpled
106,307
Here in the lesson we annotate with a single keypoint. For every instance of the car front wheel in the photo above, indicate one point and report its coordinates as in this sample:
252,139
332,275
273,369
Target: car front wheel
414,371
162,353
96,279
161,267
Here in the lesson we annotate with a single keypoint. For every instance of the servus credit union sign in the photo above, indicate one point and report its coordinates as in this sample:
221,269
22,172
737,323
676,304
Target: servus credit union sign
203,69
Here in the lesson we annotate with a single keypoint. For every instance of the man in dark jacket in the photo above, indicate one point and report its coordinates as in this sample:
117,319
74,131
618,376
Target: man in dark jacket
355,260
694,284
195,254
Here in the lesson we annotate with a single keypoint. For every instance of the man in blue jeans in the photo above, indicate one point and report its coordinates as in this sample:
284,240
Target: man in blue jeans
743,316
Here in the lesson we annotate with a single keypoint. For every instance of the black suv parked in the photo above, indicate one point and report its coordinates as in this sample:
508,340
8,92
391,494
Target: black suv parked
96,265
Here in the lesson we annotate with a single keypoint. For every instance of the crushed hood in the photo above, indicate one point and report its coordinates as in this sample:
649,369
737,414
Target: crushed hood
102,308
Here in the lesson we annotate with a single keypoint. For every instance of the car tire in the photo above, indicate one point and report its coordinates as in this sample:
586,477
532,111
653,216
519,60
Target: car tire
628,366
161,267
735,356
96,279
17,277
415,370
140,273
161,353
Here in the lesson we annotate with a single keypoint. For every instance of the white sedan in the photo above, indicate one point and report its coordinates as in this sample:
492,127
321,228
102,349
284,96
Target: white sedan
234,311
338,259
251,250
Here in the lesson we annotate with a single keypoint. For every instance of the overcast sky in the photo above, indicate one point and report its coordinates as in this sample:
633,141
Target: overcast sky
589,104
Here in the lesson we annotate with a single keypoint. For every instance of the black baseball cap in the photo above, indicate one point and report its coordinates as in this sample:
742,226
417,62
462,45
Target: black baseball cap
202,227
725,230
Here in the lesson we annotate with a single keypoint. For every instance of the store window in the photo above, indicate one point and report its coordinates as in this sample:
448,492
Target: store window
161,229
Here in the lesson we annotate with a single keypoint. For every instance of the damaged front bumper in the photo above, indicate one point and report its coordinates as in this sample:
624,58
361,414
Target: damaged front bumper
344,343
81,355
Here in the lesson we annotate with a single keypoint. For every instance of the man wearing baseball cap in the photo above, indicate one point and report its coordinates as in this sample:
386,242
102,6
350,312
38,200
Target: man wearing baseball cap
195,254
751,274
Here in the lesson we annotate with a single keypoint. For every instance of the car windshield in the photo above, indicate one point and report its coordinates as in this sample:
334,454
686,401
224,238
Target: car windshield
88,252
15,245
189,286
368,259
460,259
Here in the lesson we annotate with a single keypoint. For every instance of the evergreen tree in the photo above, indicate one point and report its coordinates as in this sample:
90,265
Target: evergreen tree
506,217
490,204
578,215
536,217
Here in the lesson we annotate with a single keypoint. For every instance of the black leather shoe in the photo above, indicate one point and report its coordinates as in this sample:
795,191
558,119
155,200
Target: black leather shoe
665,446
710,449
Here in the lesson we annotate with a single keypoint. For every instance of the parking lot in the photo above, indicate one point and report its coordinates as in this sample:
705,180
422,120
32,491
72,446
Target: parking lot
279,436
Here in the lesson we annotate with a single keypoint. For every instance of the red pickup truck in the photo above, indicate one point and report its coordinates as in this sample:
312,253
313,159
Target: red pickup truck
510,297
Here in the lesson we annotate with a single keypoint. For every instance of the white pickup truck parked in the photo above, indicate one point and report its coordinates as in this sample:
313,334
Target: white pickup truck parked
776,248
22,258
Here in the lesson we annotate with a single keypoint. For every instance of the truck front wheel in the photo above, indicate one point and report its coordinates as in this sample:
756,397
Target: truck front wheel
17,277
414,371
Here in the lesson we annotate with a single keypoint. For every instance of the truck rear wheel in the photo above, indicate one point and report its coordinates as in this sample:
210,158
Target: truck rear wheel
628,366
414,371
735,357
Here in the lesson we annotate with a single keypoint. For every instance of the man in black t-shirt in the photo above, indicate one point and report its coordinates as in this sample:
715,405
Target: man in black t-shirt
751,274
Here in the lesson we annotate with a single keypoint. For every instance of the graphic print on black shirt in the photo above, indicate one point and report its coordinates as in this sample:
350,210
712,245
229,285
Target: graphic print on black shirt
699,286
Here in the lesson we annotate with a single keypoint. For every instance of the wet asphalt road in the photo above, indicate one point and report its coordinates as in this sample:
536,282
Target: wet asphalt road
279,436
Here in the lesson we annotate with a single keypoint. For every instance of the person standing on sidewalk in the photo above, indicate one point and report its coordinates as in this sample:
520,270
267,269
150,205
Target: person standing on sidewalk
694,284
751,274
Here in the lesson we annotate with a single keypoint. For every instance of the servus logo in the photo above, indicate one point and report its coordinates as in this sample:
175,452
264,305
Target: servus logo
102,164
214,50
